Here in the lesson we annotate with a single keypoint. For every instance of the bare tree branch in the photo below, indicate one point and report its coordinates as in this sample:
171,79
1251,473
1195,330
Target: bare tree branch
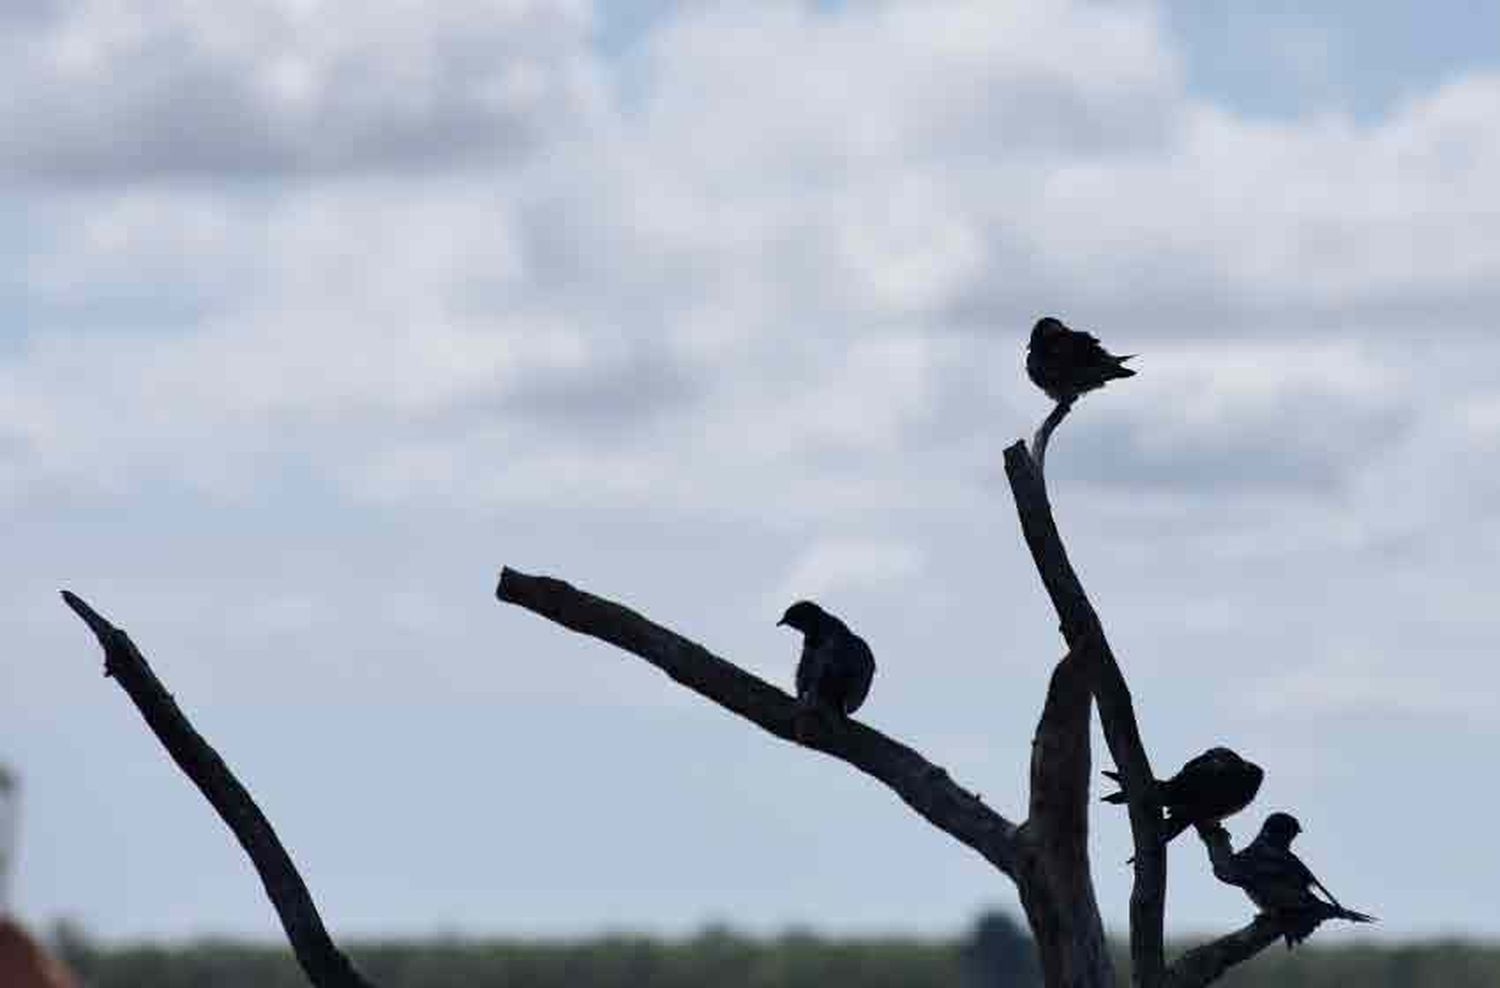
1044,433
1084,633
323,963
1060,763
922,785
1207,963
1065,917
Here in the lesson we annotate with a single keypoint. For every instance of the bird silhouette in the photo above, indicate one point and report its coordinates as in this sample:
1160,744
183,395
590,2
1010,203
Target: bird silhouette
1275,879
1067,362
834,672
1209,788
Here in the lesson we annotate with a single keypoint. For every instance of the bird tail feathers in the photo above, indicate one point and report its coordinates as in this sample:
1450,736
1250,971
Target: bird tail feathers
1117,798
1341,913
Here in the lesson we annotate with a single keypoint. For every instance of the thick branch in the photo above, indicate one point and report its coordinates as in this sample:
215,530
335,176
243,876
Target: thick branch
1084,633
1207,963
1060,758
323,963
924,786
1065,919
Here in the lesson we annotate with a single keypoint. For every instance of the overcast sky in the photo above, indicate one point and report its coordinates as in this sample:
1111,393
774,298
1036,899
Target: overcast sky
315,314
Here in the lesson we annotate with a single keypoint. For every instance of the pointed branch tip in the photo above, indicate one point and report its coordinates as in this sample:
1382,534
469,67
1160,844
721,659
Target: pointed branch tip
505,587
96,621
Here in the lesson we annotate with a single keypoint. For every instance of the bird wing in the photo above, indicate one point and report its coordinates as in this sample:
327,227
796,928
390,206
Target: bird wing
1210,787
1355,917
1274,878
810,670
1083,353
1313,880
1213,758
851,671
1193,786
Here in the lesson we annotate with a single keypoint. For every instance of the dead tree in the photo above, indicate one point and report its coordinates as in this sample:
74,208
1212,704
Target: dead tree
1046,854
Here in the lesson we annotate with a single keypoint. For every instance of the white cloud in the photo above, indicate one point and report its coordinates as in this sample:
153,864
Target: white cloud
741,318
830,567
1363,686
142,89
813,236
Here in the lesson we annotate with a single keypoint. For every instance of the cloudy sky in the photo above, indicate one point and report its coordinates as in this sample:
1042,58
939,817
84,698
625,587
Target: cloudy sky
315,314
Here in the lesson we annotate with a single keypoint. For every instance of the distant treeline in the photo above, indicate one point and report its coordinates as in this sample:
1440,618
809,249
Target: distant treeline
996,953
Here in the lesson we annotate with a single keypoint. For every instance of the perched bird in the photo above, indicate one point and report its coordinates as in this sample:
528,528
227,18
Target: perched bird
1209,788
1275,879
1067,362
836,667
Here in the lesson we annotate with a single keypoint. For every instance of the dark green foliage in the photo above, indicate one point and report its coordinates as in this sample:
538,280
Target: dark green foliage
1000,953
995,954
1439,964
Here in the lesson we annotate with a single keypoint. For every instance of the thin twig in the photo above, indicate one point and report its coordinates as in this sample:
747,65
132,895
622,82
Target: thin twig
1044,433
323,963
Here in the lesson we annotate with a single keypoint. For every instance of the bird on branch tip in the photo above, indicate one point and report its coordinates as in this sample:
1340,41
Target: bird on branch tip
1067,362
836,667
1279,883
1211,787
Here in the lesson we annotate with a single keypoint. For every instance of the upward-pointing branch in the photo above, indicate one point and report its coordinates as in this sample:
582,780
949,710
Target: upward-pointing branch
1085,636
922,785
323,963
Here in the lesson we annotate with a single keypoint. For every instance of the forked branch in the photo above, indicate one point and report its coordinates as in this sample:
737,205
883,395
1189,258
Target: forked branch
1084,634
323,963
922,785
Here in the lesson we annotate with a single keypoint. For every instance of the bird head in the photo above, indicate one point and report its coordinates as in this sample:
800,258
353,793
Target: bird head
804,615
1045,327
1280,828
